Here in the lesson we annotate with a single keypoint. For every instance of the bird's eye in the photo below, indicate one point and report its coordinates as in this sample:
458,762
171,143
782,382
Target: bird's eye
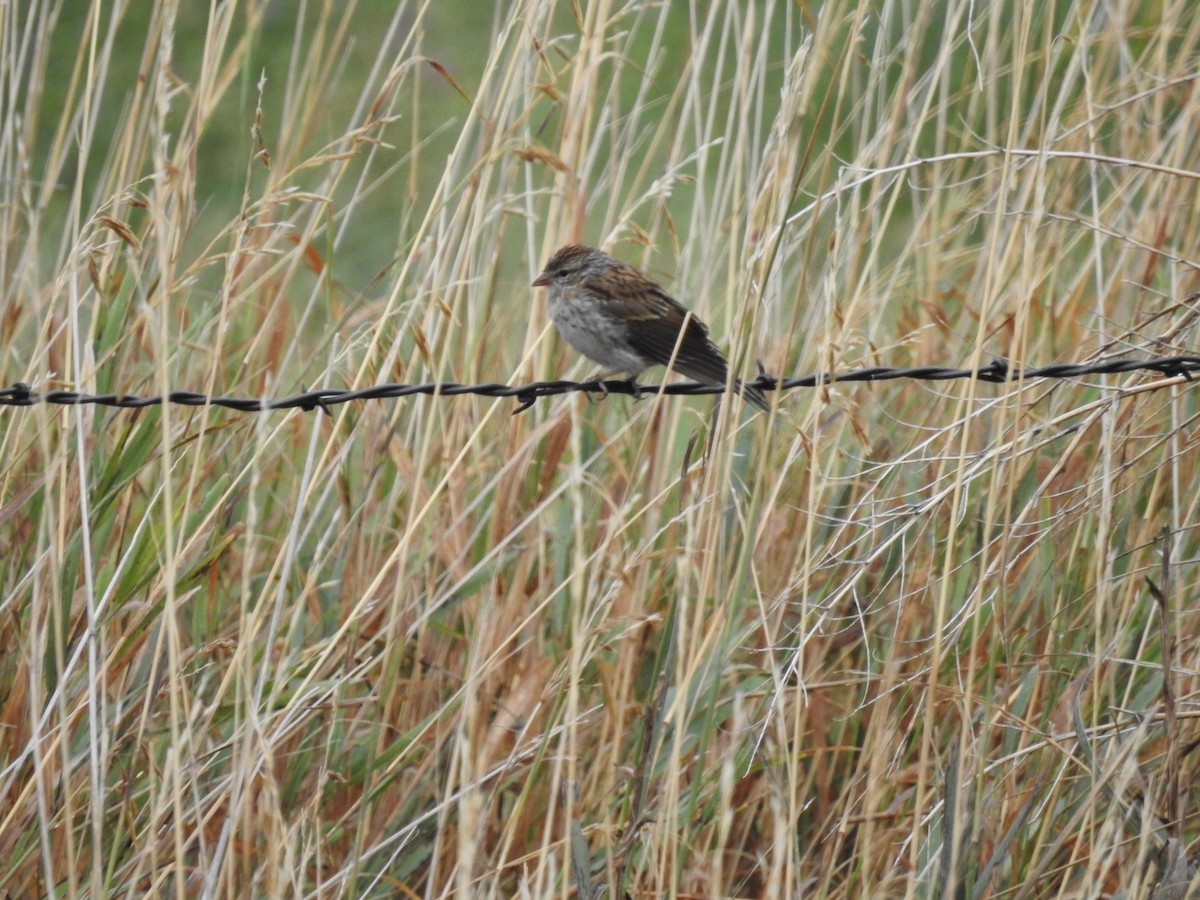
560,273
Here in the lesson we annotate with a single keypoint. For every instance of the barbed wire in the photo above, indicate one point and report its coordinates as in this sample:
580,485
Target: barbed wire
997,372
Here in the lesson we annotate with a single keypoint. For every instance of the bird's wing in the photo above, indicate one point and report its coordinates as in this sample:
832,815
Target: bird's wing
653,320
656,338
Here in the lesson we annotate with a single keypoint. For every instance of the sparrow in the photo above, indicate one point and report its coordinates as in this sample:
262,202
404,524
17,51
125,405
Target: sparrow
619,317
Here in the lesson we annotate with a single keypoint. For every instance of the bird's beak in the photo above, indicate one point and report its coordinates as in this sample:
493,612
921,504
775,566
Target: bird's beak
542,280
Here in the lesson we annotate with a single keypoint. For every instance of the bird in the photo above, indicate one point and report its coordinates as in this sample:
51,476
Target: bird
619,317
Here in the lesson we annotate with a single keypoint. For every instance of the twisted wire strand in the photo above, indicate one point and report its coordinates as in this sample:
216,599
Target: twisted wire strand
997,372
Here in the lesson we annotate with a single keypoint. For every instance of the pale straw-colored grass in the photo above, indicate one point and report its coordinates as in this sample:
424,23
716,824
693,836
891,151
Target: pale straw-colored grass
902,639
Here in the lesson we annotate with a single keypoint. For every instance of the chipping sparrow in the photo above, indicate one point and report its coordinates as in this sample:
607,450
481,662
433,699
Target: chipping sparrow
617,316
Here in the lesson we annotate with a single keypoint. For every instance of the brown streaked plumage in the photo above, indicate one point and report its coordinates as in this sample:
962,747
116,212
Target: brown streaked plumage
619,317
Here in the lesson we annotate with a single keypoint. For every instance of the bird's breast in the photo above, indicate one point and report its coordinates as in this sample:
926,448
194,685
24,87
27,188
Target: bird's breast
597,335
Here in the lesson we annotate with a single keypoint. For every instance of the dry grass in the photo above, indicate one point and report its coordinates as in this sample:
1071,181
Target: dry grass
896,640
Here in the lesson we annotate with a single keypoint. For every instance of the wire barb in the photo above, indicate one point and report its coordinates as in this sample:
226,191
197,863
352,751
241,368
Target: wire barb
998,371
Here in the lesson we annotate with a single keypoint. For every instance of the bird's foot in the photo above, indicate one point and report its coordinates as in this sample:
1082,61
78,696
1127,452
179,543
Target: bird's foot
596,383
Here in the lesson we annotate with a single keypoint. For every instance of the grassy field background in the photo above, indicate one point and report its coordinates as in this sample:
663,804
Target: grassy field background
908,639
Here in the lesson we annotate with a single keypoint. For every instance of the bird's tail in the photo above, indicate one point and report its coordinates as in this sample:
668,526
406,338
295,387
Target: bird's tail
751,394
